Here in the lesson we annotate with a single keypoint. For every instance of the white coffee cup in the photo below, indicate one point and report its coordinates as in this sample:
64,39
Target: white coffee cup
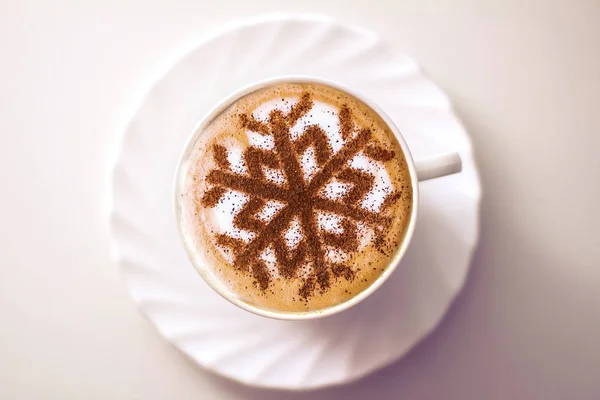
420,170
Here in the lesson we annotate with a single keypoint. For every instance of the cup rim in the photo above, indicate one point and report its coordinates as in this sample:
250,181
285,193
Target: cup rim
295,315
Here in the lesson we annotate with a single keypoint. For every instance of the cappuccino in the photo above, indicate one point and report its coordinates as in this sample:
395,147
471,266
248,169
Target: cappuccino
295,198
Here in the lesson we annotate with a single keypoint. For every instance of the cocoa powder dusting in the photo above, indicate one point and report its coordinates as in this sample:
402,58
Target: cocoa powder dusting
220,156
378,153
314,136
346,124
362,184
212,197
299,109
261,274
347,240
256,158
340,270
248,122
391,199
300,198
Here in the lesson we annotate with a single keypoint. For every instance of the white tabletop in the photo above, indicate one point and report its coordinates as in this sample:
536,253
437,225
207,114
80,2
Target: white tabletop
526,81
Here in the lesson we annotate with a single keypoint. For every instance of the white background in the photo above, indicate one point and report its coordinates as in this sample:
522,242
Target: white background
524,76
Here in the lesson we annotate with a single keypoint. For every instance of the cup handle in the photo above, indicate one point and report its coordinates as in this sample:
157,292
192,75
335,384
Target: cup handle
438,166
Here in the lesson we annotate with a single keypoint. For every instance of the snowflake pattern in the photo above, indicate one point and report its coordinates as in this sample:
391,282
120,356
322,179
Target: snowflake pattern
300,197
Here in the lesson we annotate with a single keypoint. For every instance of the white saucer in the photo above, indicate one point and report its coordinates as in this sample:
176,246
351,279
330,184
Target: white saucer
283,354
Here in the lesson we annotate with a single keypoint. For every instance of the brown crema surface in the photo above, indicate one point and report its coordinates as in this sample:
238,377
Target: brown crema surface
324,266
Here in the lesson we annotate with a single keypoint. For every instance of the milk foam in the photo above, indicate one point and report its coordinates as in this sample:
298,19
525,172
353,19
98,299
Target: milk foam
326,116
202,224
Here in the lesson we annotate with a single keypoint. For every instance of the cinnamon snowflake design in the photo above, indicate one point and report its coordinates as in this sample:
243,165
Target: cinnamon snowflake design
300,198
